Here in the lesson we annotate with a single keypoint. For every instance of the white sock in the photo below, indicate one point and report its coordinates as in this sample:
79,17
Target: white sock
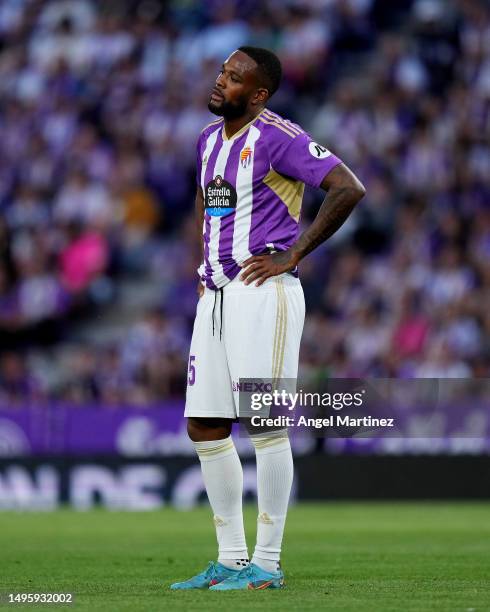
223,477
274,480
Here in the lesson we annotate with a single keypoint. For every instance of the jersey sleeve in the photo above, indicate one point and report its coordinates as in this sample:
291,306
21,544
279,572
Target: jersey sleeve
301,158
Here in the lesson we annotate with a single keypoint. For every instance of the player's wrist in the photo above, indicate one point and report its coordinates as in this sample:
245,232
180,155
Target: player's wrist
296,255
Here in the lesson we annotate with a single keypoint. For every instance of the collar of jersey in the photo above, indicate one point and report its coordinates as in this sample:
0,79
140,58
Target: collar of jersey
242,130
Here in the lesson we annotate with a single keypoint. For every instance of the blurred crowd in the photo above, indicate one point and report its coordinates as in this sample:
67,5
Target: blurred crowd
101,104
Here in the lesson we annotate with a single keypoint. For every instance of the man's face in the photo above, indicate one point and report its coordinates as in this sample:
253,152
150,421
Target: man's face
235,85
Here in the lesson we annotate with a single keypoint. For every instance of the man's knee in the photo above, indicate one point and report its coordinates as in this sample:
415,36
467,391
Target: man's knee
203,430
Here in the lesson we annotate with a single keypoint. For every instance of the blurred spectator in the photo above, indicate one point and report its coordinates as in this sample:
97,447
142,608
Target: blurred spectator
83,258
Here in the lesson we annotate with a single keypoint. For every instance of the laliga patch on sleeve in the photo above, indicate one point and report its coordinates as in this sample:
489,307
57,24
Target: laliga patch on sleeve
318,151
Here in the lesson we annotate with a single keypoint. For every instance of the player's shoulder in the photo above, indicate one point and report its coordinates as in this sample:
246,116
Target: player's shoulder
274,126
211,127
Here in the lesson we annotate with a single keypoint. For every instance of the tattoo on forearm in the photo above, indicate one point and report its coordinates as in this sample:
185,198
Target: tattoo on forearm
335,209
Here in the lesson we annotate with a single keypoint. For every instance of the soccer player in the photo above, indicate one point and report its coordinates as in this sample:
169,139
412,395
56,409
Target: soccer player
252,166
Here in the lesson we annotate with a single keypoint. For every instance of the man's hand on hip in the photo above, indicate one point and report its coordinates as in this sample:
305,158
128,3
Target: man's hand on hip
261,267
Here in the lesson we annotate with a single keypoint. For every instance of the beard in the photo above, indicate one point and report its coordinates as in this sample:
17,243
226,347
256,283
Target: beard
229,110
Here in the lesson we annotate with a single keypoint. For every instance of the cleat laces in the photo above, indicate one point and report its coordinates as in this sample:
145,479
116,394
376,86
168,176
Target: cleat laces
210,571
246,572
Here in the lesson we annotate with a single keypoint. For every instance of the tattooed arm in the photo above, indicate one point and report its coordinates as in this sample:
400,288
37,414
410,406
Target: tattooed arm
344,190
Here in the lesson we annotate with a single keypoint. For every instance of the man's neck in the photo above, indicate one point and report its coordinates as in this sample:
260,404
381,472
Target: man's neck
232,126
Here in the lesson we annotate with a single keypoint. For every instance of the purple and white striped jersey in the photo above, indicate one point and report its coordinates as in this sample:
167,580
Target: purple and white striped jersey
253,186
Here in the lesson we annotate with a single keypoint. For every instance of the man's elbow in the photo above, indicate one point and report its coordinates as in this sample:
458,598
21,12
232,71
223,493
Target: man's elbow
358,190
342,179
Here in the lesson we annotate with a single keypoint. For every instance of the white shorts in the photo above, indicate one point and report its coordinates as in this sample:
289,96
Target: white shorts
261,333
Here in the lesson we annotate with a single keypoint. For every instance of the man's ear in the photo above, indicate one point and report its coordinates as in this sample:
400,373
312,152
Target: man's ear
261,96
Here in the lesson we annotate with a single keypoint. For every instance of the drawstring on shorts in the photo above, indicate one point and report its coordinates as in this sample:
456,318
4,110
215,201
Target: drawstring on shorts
220,310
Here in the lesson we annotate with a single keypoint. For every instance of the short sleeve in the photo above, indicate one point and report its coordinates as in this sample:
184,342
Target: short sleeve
301,158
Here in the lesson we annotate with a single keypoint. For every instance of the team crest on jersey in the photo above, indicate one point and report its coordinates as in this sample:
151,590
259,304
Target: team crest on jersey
246,157
220,197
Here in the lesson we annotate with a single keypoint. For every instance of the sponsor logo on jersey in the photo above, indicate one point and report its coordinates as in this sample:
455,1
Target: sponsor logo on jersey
246,157
318,151
220,197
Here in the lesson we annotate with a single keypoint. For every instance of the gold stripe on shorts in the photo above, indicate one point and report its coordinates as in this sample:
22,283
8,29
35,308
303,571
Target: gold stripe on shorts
280,332
282,345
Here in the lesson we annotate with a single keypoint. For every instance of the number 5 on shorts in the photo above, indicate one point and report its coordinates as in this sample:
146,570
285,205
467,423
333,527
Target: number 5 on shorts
192,370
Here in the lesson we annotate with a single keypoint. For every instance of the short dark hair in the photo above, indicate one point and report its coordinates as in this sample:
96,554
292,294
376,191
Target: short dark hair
269,67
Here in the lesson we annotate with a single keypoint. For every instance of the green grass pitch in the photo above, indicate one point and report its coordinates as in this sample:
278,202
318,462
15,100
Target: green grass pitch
337,556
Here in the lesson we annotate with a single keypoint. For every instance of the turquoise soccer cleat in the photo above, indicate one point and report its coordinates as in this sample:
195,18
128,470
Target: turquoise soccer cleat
251,577
212,575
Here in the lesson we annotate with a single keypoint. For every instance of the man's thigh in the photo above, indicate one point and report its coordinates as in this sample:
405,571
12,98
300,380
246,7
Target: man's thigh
263,328
209,392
